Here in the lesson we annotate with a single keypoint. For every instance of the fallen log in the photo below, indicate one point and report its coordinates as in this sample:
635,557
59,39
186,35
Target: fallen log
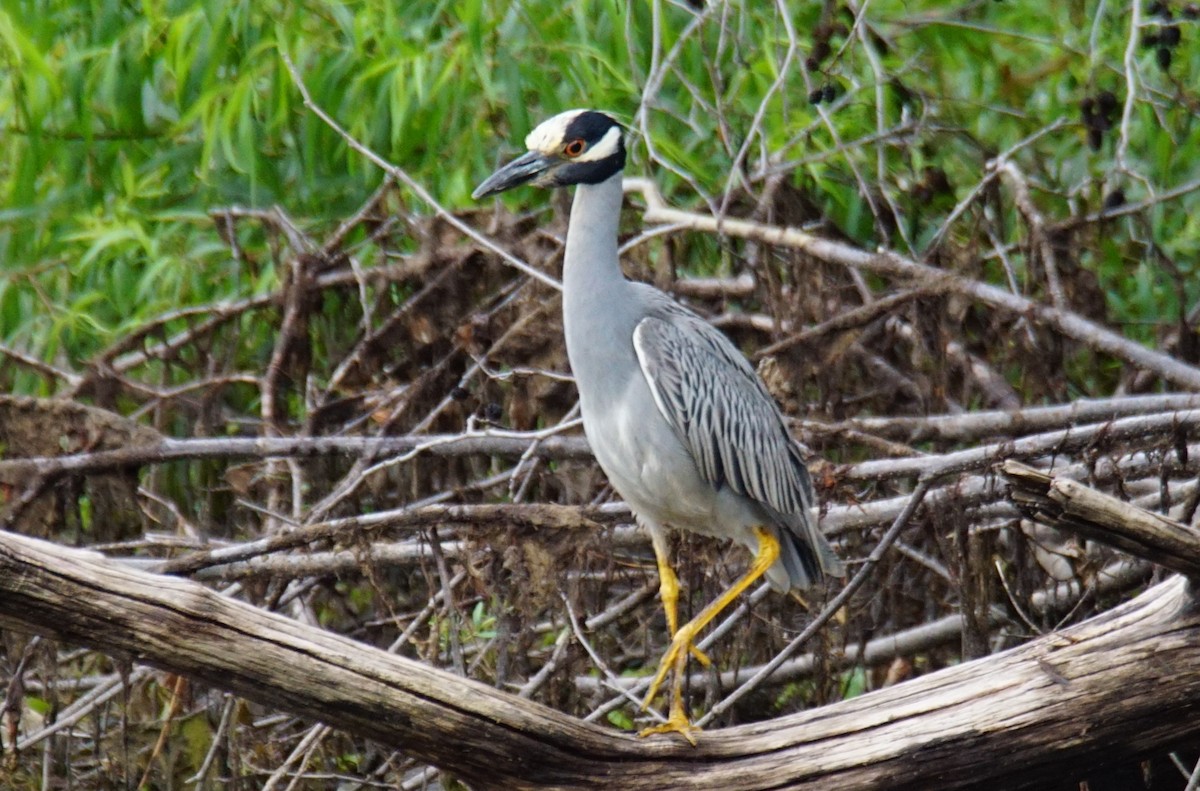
1104,691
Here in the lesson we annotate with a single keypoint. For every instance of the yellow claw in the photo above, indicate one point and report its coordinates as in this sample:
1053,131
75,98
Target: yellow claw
677,722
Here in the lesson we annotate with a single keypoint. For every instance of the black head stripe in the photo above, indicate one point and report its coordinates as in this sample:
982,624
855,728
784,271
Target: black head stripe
589,125
590,172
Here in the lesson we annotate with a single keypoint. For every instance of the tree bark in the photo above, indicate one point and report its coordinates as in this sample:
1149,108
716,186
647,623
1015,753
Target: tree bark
1066,504
1103,691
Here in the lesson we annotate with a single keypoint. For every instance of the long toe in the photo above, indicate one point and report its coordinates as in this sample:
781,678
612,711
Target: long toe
678,722
683,727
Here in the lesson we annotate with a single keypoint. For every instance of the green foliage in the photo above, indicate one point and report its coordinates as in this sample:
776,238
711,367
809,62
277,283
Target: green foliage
125,125
854,683
619,718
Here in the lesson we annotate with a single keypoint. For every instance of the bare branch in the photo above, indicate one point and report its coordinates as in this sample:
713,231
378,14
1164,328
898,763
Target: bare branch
1067,323
948,728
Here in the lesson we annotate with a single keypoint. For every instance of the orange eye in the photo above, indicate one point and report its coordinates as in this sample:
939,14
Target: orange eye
574,148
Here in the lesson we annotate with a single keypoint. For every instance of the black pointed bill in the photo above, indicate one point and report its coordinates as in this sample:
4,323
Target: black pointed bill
521,170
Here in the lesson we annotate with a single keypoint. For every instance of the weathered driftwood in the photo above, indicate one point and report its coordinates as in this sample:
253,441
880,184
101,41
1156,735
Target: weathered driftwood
1111,688
1069,505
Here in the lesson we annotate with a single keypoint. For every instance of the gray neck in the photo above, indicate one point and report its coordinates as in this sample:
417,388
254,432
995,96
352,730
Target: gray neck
600,309
590,265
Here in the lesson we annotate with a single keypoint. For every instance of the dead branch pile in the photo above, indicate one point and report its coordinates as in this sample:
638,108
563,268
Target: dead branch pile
421,485
405,468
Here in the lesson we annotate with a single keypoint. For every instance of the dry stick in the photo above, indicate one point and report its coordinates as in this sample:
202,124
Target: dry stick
851,436
301,754
1116,578
72,379
516,443
542,515
876,652
486,442
1037,228
379,554
1060,502
1131,428
218,739
173,709
887,263
85,706
1131,83
218,314
400,175
856,317
293,334
716,288
1072,223
829,610
972,426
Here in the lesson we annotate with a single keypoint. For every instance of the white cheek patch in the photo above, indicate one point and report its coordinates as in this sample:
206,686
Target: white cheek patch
603,149
547,137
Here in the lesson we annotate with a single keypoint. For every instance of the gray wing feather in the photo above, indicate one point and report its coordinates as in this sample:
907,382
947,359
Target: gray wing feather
722,412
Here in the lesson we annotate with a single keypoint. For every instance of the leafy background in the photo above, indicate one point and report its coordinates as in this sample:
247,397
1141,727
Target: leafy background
125,124
160,167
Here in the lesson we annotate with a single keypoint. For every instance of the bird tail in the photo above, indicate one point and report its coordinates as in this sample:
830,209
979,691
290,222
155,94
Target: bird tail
804,554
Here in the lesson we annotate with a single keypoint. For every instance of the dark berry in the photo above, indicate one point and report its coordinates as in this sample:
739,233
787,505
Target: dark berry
1164,58
1108,103
460,393
1114,199
493,412
815,96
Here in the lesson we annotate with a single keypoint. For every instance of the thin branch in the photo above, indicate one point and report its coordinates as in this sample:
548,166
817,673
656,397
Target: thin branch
1067,323
402,176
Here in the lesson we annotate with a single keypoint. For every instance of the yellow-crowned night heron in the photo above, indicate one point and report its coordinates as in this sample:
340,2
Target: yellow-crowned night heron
676,416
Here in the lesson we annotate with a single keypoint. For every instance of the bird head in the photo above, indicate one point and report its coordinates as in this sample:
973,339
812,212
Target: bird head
575,147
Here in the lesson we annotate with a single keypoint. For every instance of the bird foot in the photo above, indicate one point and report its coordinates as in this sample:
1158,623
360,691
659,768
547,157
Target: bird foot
678,722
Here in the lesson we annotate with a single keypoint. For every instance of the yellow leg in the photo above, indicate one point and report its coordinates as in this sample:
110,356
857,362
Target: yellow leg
676,656
668,591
